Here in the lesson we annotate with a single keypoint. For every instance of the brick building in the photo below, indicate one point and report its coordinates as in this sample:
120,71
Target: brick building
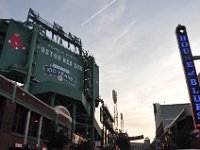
174,127
24,119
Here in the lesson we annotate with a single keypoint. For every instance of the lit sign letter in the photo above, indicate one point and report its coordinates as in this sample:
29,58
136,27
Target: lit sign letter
195,91
183,38
196,98
184,44
193,81
192,73
197,106
198,114
186,50
189,64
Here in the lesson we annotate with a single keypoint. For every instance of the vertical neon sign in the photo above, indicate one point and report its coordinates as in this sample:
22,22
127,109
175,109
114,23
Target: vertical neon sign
190,73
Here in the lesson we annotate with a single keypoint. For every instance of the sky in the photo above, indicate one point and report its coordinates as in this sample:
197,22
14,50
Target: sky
134,44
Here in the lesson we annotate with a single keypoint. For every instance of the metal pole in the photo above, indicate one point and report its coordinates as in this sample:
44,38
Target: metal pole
103,137
73,119
39,130
195,57
14,92
27,126
30,58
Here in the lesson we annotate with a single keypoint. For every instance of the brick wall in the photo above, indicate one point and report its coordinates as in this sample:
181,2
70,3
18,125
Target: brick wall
6,135
8,117
7,139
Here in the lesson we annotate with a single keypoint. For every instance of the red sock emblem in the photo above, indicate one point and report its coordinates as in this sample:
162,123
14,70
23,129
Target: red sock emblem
15,42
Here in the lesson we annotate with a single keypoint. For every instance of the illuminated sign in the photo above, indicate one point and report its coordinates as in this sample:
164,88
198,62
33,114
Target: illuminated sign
18,145
190,72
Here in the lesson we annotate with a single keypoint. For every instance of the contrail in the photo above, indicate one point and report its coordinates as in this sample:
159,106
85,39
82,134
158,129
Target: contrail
98,12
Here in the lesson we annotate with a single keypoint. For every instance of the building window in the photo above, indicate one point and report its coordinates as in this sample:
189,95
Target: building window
20,119
2,106
34,124
45,124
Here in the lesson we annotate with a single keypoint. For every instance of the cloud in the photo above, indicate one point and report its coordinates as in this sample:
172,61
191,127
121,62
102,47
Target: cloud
98,12
4,11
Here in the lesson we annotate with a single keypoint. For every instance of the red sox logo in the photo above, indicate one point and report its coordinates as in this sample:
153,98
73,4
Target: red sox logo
15,42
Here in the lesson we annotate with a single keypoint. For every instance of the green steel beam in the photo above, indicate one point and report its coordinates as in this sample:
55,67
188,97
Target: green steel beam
30,58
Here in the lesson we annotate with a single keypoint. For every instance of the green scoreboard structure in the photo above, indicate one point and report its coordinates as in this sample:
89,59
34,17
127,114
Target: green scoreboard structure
58,68
52,65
